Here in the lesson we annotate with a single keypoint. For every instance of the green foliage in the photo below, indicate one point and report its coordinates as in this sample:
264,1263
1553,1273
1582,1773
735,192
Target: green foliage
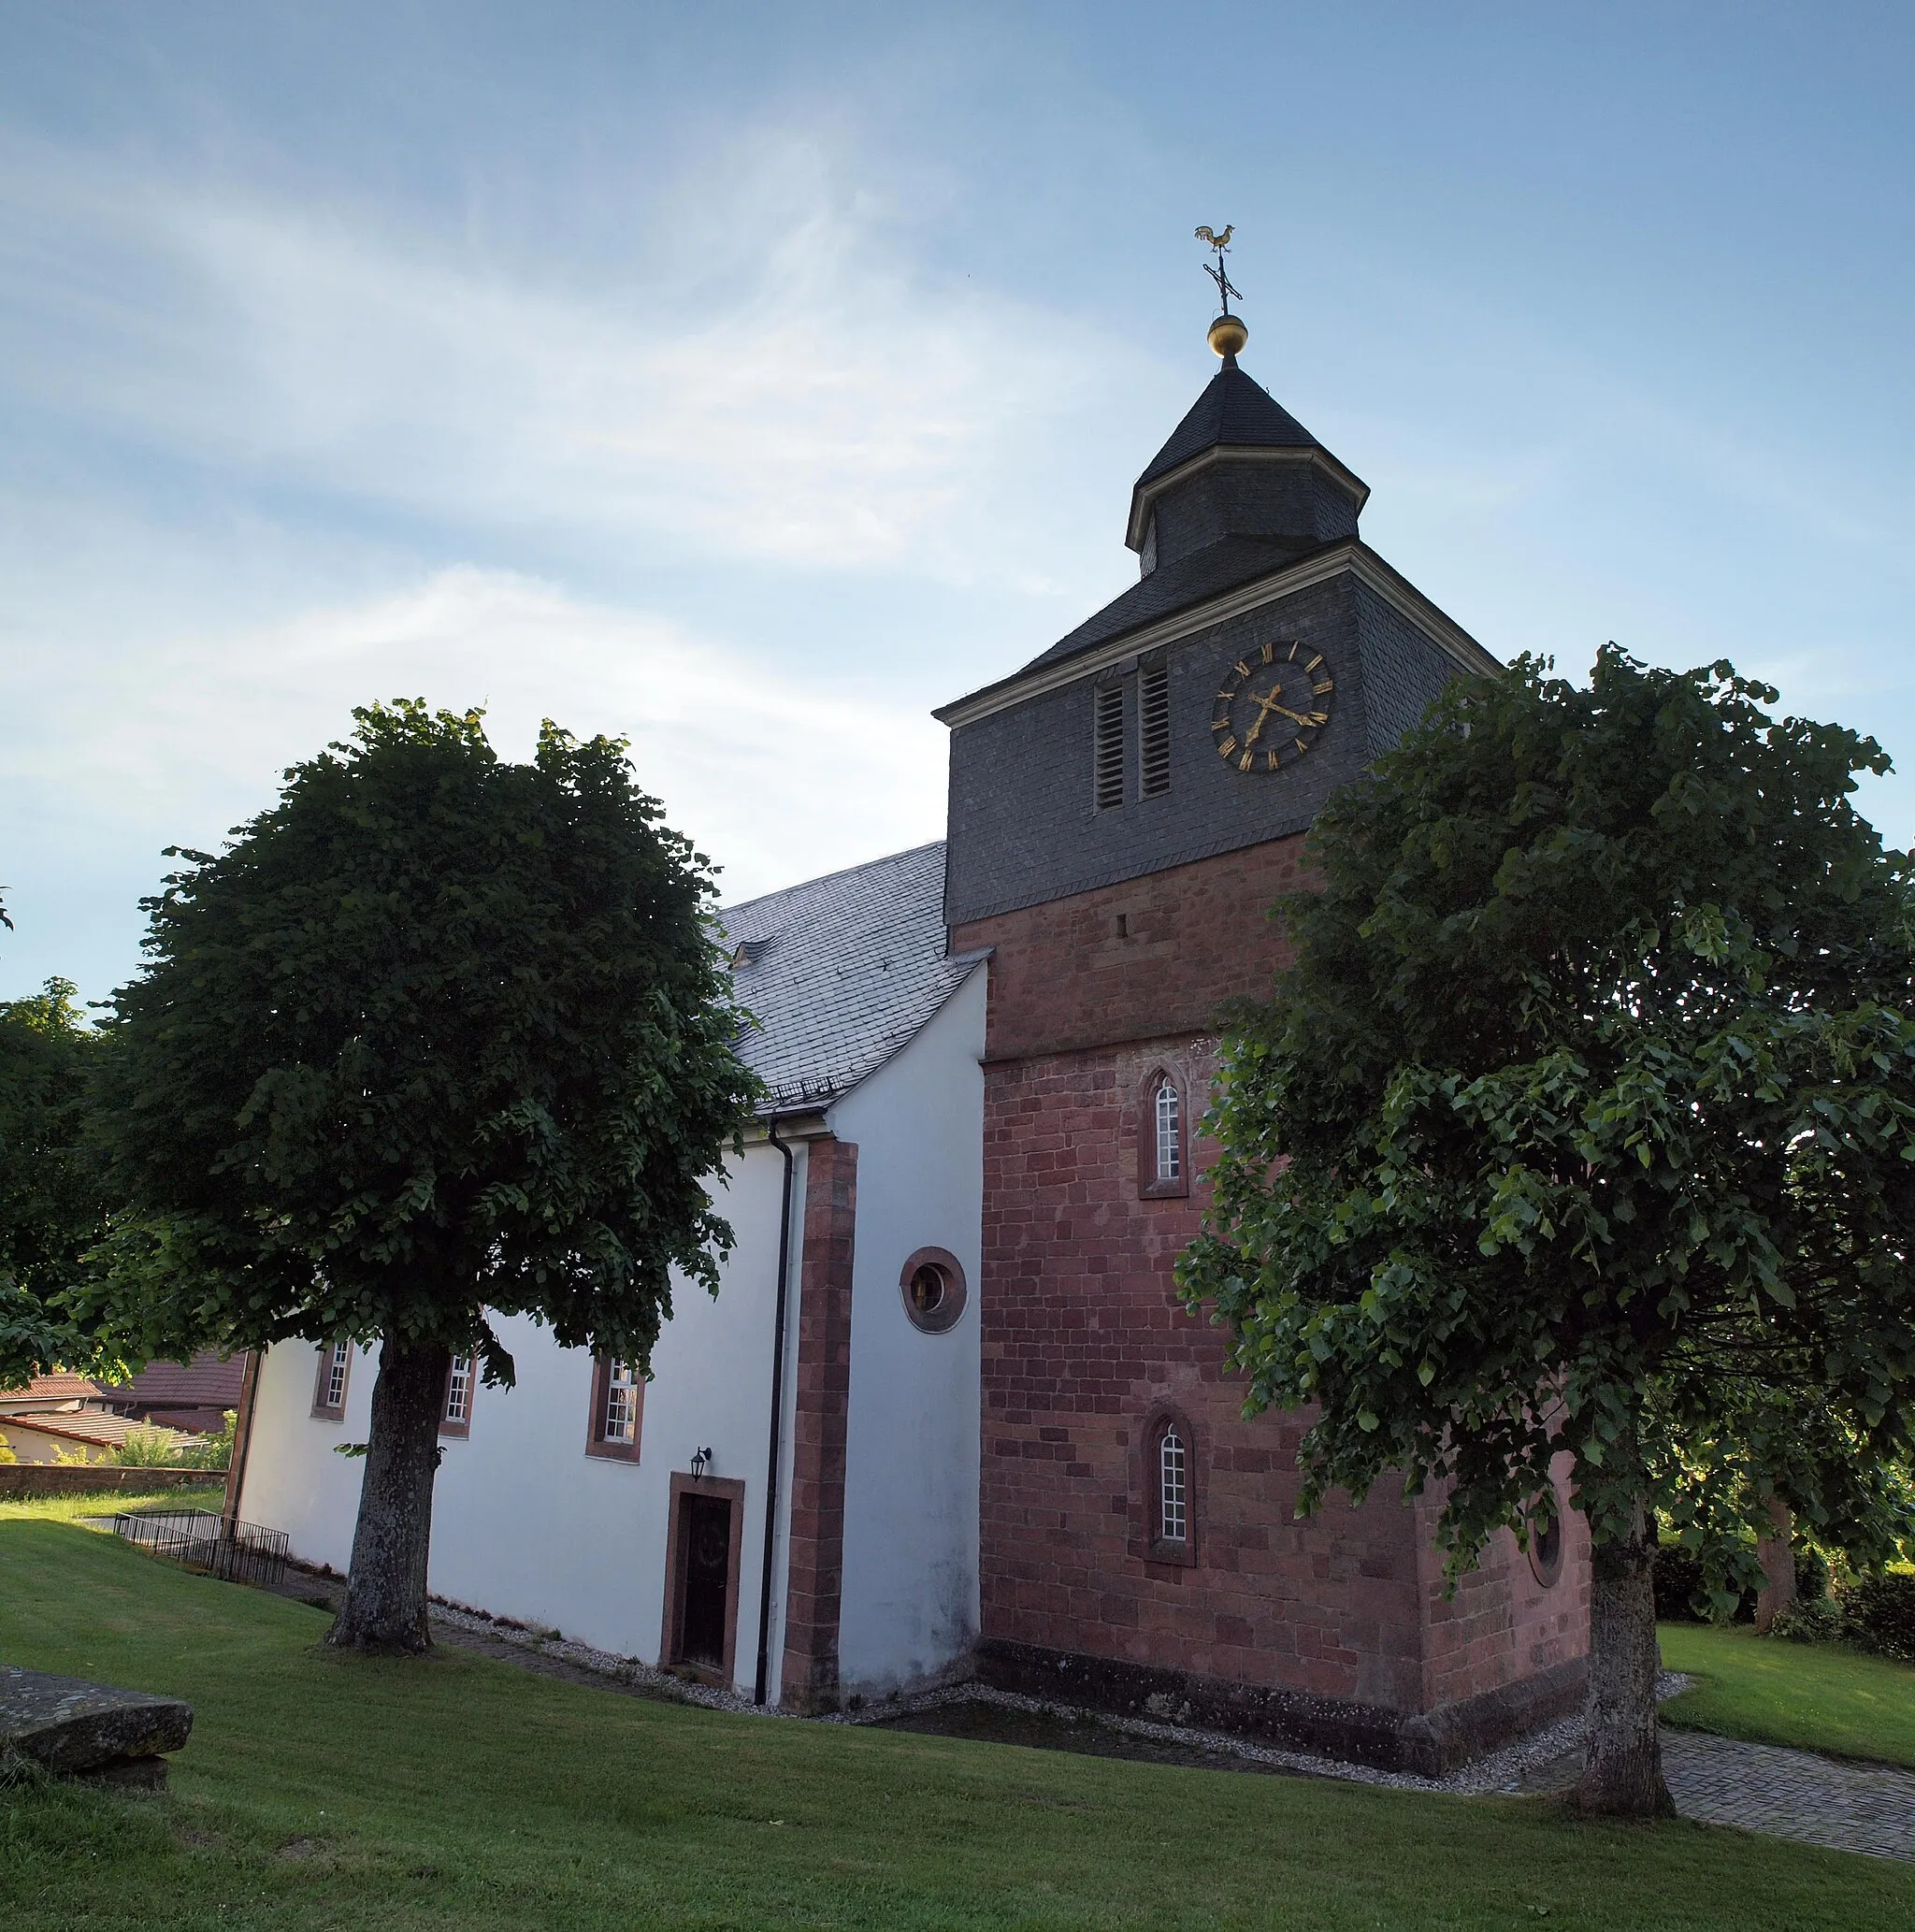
213,1452
1584,1122
436,1035
51,1210
1809,1620
1878,1613
167,1449
152,1448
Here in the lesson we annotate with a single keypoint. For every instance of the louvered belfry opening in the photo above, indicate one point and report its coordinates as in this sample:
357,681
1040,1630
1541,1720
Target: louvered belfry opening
1154,732
1110,746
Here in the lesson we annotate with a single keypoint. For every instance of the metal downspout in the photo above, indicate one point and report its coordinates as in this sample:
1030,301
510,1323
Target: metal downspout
763,1679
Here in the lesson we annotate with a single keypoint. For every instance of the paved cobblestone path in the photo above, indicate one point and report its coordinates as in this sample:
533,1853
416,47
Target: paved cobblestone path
1790,1793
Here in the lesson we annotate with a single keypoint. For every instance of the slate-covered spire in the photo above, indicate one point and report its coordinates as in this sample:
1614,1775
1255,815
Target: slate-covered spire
1239,465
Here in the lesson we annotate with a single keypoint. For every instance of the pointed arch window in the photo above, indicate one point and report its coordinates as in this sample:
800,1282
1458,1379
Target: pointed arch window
1167,1119
1167,1473
1172,1487
1163,1151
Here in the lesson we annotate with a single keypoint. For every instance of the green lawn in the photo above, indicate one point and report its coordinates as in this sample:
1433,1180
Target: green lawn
320,1791
1818,1696
69,1508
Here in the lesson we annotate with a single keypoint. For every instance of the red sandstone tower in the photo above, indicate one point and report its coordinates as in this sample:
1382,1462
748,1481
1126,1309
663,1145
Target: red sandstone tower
1124,810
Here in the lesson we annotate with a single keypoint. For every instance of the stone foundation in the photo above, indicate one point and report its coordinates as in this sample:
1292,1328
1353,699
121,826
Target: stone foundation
1428,1744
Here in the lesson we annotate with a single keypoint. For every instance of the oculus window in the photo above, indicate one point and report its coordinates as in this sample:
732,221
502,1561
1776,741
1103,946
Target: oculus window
932,1285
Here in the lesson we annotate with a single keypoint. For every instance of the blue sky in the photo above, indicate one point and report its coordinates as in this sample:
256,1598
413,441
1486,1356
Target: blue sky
748,380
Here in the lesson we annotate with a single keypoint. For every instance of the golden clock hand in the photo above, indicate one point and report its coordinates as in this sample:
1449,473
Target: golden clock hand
1265,705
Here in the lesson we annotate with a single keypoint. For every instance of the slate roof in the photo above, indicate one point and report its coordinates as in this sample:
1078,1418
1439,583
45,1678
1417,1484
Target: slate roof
1176,587
1234,411
841,972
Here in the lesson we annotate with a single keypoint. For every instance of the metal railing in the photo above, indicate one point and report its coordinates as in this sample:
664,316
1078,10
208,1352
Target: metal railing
201,1541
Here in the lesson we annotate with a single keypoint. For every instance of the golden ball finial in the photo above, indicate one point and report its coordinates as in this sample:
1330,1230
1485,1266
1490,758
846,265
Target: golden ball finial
1228,336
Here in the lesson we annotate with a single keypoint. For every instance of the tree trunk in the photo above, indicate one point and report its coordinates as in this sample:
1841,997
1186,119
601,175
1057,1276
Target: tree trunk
385,1596
1776,1555
1622,1772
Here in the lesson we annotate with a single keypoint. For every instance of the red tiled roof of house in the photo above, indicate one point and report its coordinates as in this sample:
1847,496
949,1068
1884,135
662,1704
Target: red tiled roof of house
94,1426
57,1388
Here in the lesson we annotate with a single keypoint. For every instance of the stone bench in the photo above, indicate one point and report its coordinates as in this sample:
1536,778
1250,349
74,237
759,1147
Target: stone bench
76,1729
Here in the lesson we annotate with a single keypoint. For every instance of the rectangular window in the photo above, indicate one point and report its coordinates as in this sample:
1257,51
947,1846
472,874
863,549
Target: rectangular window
329,1392
457,1417
621,1403
1154,732
1110,746
618,1409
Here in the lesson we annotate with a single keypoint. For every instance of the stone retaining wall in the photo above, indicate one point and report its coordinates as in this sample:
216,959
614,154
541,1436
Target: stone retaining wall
72,1479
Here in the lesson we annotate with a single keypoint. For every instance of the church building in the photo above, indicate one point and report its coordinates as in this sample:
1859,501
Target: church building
947,1415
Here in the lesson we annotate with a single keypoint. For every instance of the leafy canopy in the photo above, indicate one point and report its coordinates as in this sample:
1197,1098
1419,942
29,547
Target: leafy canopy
1584,1122
436,1035
51,1207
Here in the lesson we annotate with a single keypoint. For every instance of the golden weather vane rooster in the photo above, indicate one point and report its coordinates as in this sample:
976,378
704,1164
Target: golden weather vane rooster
1227,333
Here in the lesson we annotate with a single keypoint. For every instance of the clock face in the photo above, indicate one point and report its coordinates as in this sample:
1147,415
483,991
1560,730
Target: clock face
1272,704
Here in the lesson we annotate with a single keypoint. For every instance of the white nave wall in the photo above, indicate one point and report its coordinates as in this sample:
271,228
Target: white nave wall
911,1534
524,1523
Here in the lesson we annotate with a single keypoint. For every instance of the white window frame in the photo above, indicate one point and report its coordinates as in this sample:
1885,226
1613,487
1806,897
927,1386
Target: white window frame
1173,1486
1167,1116
621,1393
459,1393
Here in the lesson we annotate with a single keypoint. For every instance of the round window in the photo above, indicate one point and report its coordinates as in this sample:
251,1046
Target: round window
932,1285
1545,1551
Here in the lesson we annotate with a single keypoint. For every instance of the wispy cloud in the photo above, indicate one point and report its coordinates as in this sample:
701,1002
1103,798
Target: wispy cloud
773,776
764,372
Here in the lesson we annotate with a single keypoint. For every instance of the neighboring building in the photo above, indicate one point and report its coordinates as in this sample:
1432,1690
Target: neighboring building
69,1415
78,1435
194,1395
1006,1446
59,1390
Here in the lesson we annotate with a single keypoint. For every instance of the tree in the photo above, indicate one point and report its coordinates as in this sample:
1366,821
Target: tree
1584,1122
51,1210
436,1039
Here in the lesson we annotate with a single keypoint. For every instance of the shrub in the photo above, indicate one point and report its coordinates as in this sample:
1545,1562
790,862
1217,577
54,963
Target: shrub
211,1451
1811,1620
1812,1573
1681,1596
1678,1576
148,1448
1878,1613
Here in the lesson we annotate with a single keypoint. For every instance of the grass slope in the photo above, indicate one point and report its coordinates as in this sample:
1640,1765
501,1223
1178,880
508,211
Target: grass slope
68,1509
1815,1697
320,1791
